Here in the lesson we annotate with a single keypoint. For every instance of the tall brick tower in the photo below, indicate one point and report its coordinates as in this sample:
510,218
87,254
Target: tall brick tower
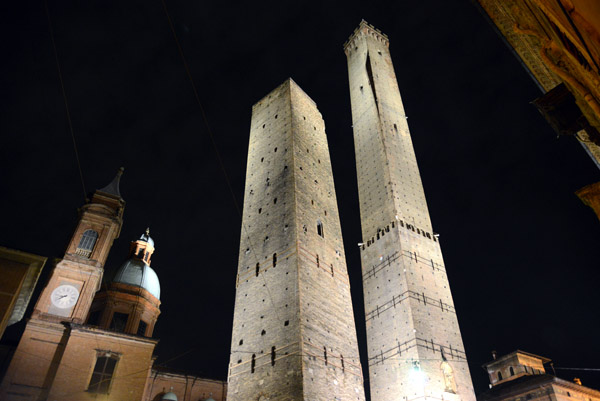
293,328
414,344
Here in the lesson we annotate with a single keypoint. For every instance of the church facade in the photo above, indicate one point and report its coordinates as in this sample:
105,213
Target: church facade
85,341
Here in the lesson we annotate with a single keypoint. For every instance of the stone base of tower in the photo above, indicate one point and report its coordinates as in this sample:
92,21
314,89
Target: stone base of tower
415,348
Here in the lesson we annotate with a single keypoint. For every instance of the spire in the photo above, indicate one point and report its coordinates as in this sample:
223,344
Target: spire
113,187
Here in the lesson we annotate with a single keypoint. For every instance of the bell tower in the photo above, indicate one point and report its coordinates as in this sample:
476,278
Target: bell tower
67,297
414,343
77,277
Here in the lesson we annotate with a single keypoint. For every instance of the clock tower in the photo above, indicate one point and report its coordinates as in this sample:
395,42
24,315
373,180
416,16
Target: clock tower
67,297
77,277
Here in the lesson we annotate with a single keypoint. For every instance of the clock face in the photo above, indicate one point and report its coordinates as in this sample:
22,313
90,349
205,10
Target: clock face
64,296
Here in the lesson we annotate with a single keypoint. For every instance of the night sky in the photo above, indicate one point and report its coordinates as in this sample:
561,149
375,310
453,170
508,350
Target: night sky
519,247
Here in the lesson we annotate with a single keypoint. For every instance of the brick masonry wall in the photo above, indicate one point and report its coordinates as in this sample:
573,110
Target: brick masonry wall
293,319
185,387
414,344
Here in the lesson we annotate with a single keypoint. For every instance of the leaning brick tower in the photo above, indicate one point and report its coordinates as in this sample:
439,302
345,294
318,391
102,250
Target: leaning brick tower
415,349
294,336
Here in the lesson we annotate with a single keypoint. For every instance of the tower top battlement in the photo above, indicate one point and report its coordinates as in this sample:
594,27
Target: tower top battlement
364,28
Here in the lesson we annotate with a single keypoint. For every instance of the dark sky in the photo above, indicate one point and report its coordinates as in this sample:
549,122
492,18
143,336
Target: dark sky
519,247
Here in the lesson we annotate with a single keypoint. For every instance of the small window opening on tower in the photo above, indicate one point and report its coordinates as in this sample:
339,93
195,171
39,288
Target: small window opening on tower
262,159
499,376
320,229
264,125
272,356
318,260
512,371
141,331
94,318
275,150
253,363
275,201
259,210
325,355
343,366
241,342
396,128
257,268
119,321
86,243
275,259
275,116
361,89
332,270
262,333
286,323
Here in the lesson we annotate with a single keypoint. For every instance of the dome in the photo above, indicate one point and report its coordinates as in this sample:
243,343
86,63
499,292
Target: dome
137,272
170,396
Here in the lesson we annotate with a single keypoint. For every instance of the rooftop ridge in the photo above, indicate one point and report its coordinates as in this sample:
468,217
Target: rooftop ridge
363,27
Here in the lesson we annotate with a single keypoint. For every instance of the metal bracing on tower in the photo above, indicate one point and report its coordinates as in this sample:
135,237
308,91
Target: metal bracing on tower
414,343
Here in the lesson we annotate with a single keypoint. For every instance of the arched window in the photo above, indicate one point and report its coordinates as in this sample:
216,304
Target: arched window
86,243
499,376
512,371
449,382
320,229
103,373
